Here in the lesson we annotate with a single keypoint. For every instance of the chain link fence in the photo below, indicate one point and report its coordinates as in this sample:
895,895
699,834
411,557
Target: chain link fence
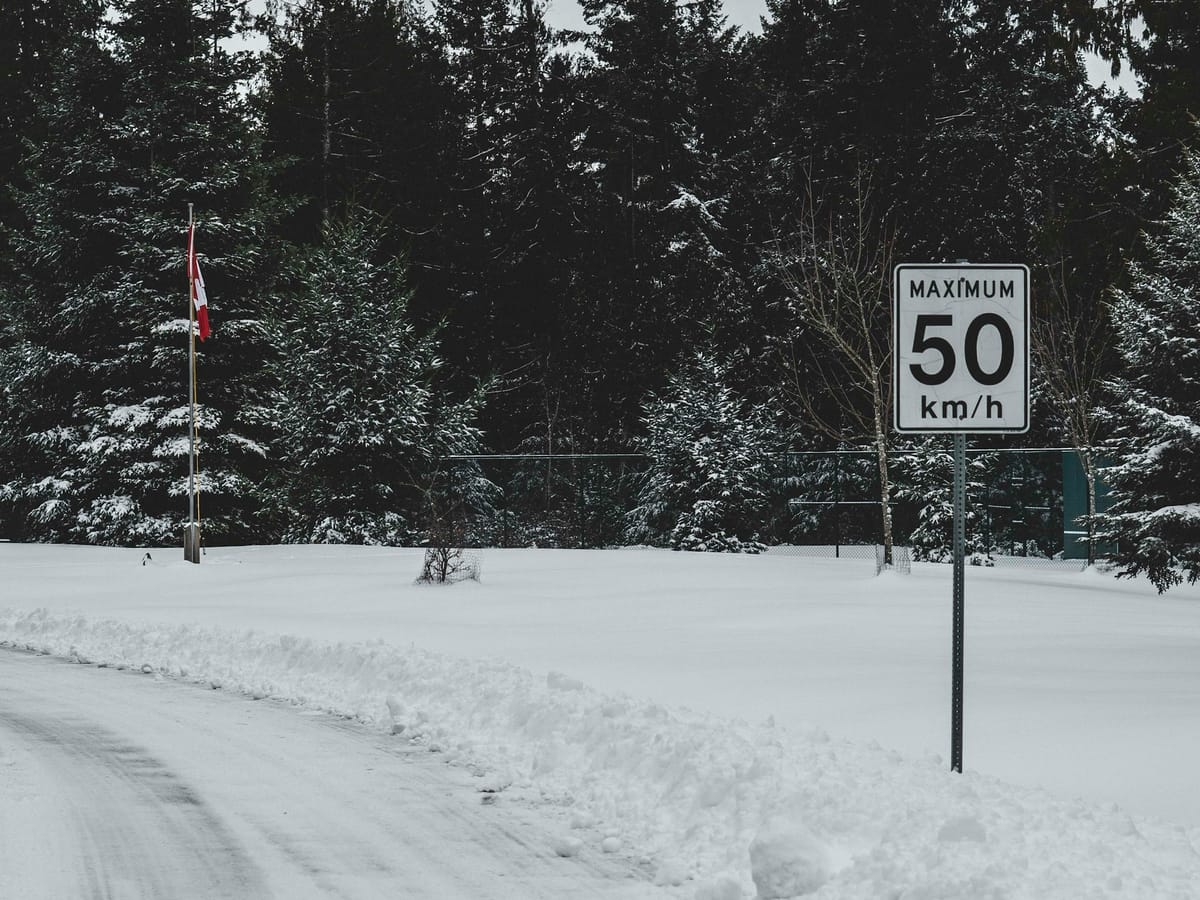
819,504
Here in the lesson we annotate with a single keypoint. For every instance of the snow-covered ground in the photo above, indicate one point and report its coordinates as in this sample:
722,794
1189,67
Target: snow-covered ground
729,724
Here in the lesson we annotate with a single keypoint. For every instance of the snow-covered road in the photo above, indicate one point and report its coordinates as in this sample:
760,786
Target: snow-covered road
115,784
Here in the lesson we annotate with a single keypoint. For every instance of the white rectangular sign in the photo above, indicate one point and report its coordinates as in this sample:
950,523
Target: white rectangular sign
960,351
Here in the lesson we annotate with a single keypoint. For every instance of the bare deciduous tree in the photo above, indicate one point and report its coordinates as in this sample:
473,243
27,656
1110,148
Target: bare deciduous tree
446,529
837,268
1071,343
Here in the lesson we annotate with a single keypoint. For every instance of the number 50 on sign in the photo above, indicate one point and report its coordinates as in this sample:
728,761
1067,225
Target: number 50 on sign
961,348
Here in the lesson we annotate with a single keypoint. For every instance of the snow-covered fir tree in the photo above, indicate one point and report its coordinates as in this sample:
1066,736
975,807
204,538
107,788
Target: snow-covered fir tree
925,479
1021,496
710,464
835,490
566,502
365,423
1155,513
657,126
52,323
146,114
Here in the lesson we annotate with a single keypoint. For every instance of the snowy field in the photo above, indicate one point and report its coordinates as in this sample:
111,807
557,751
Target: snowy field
735,725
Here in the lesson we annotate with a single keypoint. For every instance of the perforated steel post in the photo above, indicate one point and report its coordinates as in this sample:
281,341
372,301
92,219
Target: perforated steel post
960,534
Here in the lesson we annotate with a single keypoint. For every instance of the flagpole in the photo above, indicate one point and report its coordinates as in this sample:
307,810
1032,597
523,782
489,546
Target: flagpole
191,540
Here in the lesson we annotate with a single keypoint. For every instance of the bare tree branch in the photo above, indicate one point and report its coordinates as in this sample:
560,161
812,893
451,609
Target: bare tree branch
1071,343
837,271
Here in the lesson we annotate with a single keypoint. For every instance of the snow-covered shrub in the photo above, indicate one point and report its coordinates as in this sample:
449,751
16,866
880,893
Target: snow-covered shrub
384,528
447,565
710,452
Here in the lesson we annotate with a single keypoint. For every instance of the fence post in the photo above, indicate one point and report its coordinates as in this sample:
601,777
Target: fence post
837,505
506,537
576,469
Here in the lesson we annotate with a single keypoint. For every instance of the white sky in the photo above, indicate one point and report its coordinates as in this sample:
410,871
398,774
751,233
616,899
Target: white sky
743,13
1100,73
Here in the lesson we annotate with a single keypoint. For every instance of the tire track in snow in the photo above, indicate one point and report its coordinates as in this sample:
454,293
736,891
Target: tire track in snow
141,830
136,787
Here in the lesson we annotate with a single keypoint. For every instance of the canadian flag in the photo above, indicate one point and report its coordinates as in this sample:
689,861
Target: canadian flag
196,280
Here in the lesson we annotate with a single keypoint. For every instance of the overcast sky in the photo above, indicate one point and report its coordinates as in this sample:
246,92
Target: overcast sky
743,13
746,15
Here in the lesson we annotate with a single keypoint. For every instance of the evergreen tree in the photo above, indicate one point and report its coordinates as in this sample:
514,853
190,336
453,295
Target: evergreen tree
551,316
837,490
925,479
364,422
707,487
1165,55
856,86
144,120
660,122
1155,514
51,318
1022,500
1039,172
982,107
1024,143
353,105
32,37
513,228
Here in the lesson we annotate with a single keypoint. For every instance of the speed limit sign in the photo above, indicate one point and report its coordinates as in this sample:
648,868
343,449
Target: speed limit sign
961,348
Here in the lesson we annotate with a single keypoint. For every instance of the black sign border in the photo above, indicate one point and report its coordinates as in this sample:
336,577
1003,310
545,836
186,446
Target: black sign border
1024,269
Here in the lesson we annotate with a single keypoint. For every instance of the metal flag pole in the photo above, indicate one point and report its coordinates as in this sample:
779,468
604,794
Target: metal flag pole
191,538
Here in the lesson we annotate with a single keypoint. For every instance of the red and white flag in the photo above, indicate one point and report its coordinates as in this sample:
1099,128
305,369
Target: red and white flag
196,280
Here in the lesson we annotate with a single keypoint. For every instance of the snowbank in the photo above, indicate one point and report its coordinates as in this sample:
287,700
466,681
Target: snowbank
720,809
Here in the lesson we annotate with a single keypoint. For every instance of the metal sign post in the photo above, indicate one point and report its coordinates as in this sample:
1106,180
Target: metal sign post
960,356
957,635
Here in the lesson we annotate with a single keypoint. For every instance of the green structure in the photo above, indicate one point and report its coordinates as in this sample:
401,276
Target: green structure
1075,508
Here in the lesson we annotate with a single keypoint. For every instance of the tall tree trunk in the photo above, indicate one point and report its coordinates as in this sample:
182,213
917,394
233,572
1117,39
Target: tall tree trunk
1089,474
885,484
326,129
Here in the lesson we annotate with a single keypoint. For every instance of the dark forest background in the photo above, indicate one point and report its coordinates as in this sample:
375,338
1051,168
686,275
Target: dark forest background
441,230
